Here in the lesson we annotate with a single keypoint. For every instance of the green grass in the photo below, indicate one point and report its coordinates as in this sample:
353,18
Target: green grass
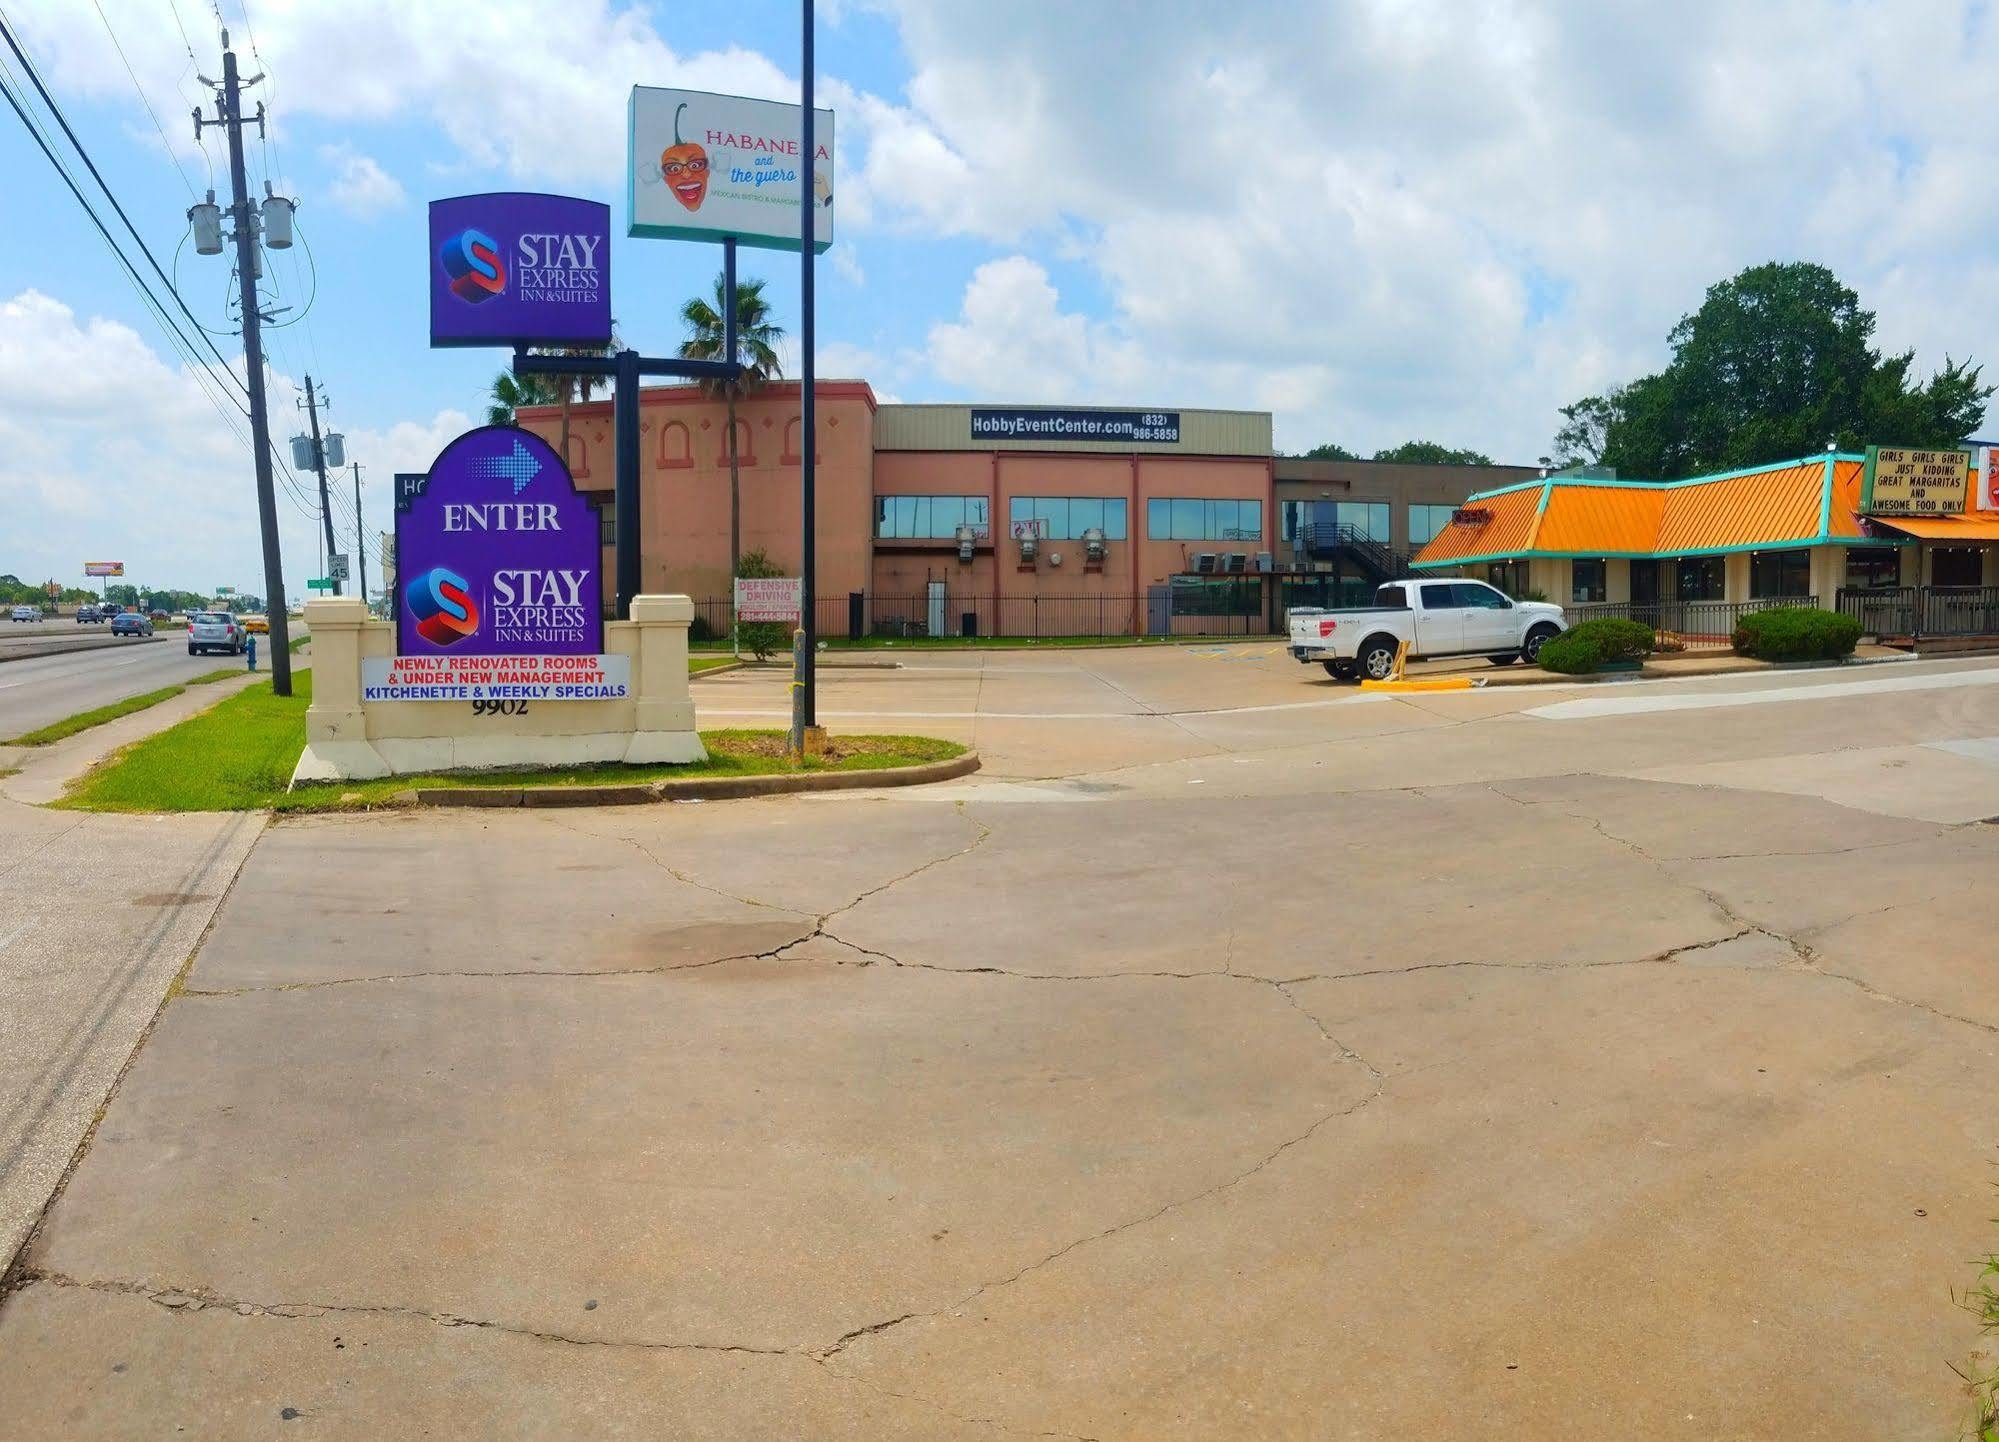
97,716
993,643
208,678
239,755
1982,1301
697,664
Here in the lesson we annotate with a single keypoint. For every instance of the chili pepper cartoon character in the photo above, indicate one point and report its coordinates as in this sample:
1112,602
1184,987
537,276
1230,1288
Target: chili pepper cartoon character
684,167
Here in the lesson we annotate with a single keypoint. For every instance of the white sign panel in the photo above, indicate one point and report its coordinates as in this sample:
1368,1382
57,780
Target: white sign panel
702,167
769,598
336,566
496,678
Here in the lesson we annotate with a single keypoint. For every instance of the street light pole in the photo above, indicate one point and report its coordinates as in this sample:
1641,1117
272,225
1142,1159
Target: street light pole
808,442
229,108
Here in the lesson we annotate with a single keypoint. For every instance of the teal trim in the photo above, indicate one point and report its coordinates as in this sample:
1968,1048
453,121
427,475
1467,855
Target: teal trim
1825,502
1631,484
1802,543
1547,494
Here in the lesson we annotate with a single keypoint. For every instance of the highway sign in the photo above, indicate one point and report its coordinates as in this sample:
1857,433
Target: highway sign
320,583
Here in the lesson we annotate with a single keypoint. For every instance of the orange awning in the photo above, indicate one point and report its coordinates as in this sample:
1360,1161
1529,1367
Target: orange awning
1960,530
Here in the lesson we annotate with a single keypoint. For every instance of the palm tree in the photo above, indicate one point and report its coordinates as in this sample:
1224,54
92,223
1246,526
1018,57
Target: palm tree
756,349
510,392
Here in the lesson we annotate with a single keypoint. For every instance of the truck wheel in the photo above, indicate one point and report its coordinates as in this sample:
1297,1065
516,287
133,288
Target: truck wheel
1535,639
1340,670
1504,658
1376,657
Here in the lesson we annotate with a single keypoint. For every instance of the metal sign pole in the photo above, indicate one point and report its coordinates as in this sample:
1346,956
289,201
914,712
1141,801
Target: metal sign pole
808,442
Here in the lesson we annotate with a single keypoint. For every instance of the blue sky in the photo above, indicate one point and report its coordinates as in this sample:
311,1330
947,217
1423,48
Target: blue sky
1379,219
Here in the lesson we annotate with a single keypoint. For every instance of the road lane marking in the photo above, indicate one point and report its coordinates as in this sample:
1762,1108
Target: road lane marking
1833,691
79,671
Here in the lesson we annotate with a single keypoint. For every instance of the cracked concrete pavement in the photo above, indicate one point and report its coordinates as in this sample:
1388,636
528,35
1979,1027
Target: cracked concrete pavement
1379,1069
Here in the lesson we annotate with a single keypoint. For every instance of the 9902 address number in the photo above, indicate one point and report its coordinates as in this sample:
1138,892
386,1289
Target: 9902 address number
499,708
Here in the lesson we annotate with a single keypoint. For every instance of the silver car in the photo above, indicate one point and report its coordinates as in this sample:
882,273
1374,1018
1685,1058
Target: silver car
213,631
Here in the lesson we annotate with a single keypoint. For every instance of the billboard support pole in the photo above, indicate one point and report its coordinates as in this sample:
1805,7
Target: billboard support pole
809,440
625,426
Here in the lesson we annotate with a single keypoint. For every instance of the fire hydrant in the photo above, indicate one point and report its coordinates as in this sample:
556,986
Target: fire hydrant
250,651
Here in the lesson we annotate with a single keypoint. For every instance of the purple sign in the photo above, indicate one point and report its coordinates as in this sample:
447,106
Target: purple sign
497,553
516,268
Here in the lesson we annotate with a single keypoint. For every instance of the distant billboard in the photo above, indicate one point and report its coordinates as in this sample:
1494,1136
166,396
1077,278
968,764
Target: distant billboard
519,268
103,568
706,167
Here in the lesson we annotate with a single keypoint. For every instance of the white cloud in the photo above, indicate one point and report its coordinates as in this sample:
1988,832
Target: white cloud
108,451
360,186
846,263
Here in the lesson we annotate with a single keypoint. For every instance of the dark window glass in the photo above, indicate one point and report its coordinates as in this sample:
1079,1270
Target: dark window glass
1205,596
1700,578
1873,567
1586,581
1956,566
928,518
1440,597
1290,515
1780,574
1471,593
1392,597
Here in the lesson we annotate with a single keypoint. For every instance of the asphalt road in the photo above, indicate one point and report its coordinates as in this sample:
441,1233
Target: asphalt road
36,692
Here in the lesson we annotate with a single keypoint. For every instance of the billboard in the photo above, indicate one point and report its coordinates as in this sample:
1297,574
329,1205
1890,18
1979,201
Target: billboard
1987,478
518,268
769,598
1904,482
499,594
1052,423
103,568
702,167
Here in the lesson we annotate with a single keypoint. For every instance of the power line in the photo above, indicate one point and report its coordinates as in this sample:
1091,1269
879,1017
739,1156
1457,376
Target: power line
180,87
166,144
7,32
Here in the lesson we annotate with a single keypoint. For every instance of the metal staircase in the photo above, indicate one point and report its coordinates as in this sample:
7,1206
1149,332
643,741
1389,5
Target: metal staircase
1342,541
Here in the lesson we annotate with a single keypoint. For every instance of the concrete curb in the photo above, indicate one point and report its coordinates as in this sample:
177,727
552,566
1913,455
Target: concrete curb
102,642
719,788
722,670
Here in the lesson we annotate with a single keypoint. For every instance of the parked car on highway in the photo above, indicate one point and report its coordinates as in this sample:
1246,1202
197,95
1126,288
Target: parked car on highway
1436,618
131,623
25,613
213,631
87,615
159,618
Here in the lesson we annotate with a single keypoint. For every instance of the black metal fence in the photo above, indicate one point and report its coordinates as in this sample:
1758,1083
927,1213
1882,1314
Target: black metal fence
1922,610
866,614
1698,623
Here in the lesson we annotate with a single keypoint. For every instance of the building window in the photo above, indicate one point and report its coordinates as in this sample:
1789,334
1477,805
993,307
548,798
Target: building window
1370,518
1700,578
1200,596
1586,581
1870,568
607,523
1290,516
1065,518
1780,574
929,518
1956,566
1510,577
1426,521
1176,519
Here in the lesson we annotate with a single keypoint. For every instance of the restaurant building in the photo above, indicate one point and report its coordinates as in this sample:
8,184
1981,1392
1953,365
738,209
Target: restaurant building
1809,531
1010,520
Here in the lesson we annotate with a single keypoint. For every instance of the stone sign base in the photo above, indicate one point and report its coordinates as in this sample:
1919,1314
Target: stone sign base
347,738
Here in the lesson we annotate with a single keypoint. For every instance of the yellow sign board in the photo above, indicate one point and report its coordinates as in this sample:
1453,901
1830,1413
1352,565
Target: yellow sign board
1903,482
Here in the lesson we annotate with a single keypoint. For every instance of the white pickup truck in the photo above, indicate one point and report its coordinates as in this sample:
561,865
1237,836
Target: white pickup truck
1436,618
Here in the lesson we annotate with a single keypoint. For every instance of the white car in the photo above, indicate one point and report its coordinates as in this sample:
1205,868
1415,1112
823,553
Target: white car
213,631
1436,618
25,613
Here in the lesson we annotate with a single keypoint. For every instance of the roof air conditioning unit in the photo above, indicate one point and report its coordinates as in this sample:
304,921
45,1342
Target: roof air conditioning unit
1093,544
1204,563
967,538
1234,563
1265,562
1028,546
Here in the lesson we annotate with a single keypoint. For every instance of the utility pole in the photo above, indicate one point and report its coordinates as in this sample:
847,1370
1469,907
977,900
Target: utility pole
229,115
808,444
319,465
360,535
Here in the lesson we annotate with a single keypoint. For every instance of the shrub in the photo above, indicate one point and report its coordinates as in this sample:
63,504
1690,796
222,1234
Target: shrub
699,630
1572,653
1619,638
1583,648
1796,633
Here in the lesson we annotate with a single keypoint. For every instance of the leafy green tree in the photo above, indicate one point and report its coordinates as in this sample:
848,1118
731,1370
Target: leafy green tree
1778,362
1330,452
1429,453
757,339
509,393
